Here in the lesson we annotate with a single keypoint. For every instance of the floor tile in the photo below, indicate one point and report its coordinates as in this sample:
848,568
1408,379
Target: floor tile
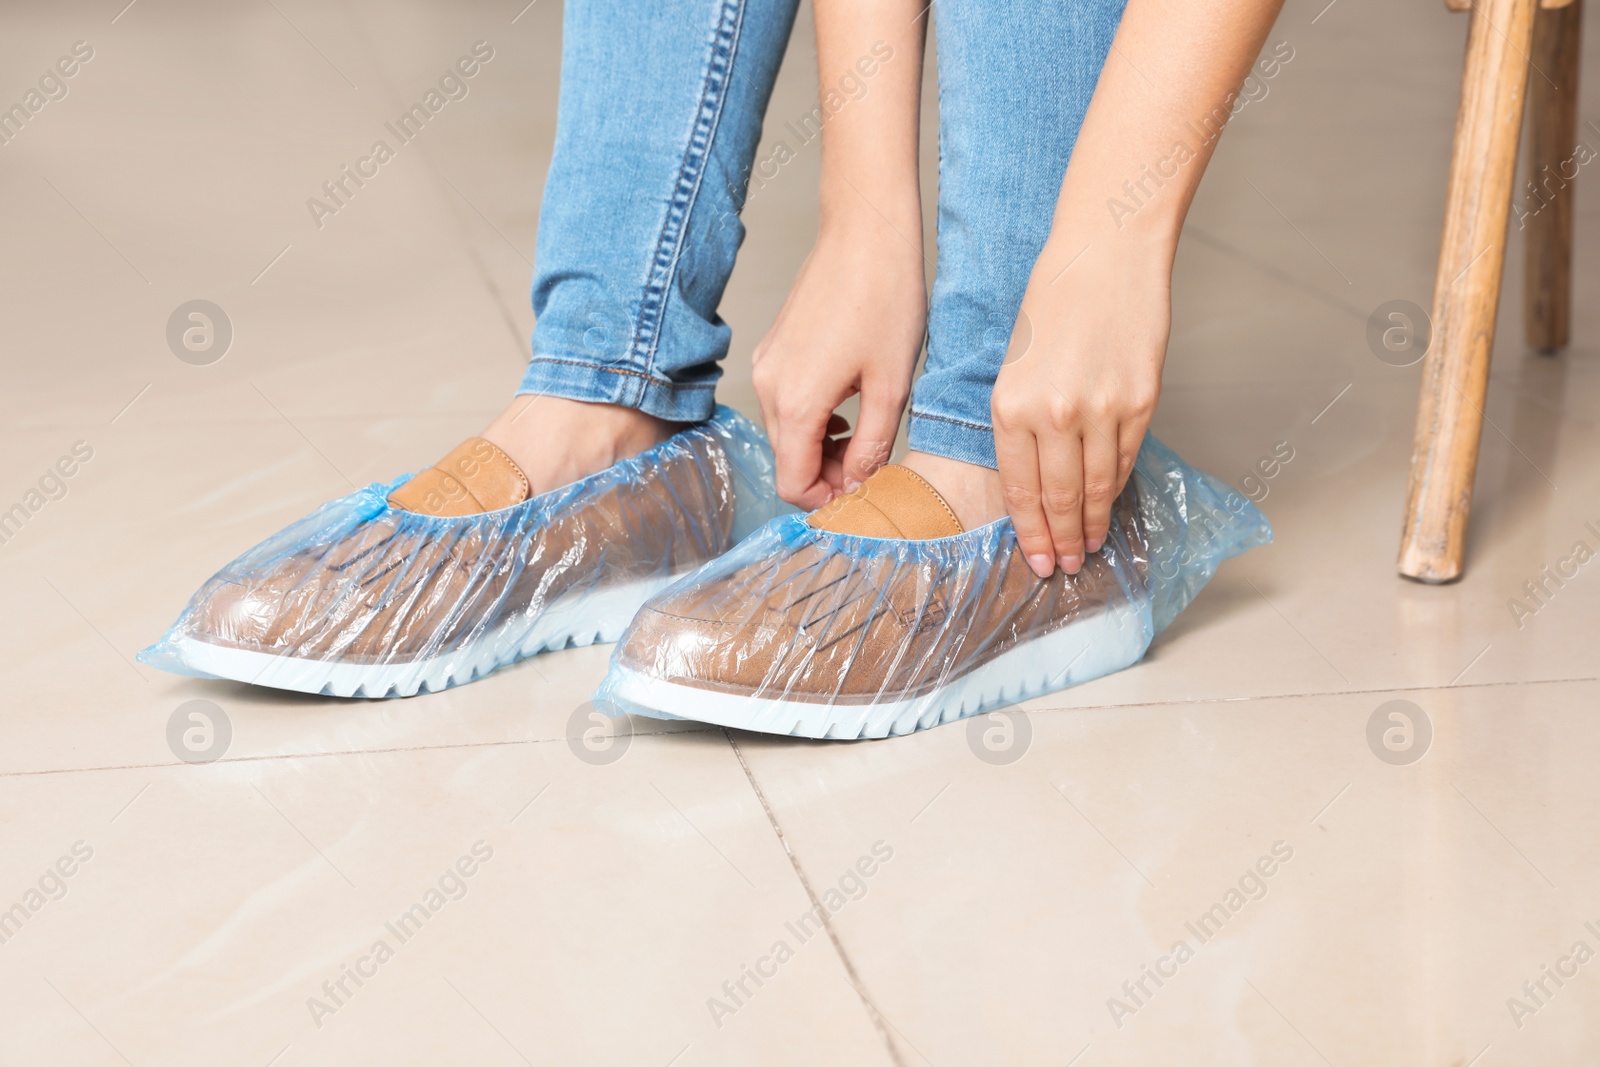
605,907
1040,863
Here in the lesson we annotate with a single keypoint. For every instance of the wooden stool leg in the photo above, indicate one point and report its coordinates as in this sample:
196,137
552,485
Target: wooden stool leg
1455,372
1546,211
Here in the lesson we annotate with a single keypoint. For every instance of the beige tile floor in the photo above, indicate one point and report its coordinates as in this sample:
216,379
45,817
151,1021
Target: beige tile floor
208,904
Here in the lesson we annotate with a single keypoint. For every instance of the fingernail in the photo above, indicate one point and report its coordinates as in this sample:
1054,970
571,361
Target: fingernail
1042,566
1070,564
851,485
1094,544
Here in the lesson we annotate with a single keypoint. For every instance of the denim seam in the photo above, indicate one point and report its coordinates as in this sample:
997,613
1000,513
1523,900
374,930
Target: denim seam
622,370
915,414
713,94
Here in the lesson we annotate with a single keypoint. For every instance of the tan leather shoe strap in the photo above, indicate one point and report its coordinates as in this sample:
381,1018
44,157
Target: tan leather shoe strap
474,478
895,502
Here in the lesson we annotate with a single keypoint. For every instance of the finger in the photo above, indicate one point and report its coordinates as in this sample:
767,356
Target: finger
833,449
769,418
1061,485
1018,454
1130,438
1100,484
876,429
797,447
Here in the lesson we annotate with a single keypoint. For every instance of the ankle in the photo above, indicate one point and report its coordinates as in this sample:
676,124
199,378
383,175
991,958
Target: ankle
972,491
557,441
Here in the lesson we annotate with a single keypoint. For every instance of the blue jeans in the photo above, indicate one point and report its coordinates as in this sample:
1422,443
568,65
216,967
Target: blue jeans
657,130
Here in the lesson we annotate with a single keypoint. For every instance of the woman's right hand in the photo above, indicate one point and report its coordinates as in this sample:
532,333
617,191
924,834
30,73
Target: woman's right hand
853,322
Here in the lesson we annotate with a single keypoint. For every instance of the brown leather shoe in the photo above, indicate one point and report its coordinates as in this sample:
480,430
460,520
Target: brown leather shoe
878,615
457,571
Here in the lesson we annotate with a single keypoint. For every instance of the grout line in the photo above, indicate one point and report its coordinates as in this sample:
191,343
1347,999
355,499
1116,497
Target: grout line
1311,695
327,755
878,1018
1150,704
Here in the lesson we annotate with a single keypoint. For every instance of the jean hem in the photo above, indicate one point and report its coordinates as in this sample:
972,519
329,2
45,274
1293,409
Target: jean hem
953,439
593,383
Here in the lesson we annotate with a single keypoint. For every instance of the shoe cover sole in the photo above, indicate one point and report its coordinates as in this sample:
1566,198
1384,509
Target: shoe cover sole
1086,649
583,620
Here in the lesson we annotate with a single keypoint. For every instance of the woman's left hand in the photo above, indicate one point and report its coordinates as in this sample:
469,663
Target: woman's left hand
1077,391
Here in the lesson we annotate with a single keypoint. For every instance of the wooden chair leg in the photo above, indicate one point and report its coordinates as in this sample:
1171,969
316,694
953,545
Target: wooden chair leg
1455,372
1545,212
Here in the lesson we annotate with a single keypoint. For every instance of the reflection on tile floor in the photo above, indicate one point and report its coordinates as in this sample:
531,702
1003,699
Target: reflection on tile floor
1231,853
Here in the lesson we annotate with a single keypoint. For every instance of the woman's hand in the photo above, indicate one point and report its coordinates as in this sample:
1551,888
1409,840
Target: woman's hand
1082,373
854,320
1076,393
852,323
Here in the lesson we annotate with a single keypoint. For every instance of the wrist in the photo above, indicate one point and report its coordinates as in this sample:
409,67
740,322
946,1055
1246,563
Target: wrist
1131,230
870,203
890,237
1143,251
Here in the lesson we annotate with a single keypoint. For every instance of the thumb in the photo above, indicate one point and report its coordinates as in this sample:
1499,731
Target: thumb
876,428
